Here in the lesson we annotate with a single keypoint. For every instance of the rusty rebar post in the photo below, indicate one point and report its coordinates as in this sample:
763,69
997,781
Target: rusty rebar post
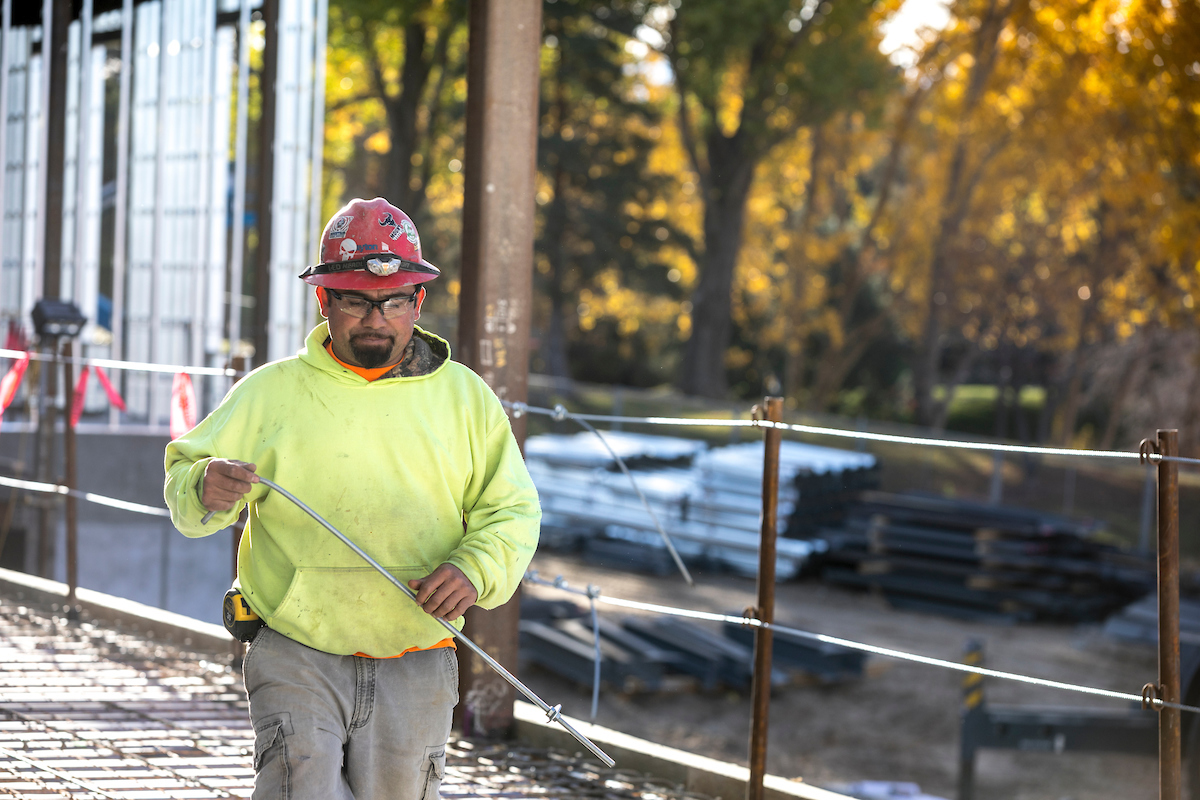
771,410
70,466
1170,783
494,309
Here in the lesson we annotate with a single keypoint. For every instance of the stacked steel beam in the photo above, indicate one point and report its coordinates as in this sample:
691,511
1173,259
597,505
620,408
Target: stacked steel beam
977,561
707,501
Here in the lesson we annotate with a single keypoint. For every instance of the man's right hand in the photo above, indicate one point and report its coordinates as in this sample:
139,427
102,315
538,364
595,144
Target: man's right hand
225,483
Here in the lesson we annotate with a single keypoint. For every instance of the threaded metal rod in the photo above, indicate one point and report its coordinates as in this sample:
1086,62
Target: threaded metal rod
553,713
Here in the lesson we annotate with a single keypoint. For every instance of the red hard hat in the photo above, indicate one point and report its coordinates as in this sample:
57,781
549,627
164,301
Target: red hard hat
370,244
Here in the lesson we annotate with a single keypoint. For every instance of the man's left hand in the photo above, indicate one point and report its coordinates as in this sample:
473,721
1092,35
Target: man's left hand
445,593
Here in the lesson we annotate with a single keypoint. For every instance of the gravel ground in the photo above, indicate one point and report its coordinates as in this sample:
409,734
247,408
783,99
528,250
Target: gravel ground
898,723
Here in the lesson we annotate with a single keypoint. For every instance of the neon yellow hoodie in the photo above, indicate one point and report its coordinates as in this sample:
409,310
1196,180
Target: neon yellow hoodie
416,471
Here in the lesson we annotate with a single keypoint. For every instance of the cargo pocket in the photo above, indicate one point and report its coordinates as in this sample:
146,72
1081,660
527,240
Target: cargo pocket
434,769
270,753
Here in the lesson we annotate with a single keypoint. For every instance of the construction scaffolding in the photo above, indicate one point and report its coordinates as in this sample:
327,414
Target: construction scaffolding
157,167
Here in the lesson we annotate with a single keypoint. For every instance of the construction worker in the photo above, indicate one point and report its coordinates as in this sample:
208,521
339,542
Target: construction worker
351,685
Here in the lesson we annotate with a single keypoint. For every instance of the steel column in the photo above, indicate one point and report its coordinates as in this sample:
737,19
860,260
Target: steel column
317,154
210,136
5,51
48,402
121,201
771,410
1169,742
70,464
42,171
237,248
54,60
56,18
160,190
266,182
497,270
83,119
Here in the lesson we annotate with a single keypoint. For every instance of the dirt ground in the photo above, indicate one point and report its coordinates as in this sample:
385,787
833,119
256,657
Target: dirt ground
899,722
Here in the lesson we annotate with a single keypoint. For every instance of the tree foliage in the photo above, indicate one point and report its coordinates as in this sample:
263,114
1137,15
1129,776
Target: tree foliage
749,197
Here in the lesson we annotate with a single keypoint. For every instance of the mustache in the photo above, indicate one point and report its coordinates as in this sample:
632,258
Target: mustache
356,337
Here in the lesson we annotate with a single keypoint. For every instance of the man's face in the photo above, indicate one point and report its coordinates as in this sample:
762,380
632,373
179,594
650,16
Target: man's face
371,341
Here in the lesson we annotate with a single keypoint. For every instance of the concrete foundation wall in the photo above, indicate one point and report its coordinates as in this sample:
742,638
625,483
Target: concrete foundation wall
122,553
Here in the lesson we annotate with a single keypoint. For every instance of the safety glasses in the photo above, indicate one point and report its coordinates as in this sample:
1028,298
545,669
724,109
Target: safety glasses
360,307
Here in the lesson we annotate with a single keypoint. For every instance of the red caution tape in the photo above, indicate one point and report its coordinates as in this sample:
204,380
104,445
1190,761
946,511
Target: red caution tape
12,382
114,396
183,405
16,339
80,396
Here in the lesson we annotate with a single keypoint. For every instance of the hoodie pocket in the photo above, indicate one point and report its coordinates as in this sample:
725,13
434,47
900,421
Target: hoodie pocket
347,610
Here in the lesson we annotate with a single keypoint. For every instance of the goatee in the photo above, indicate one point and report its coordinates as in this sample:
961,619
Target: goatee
371,357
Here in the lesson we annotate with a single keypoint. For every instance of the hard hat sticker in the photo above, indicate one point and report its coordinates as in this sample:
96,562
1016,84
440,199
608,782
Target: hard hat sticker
349,248
340,226
389,221
409,230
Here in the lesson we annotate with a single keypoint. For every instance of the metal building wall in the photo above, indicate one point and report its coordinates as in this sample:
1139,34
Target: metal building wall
171,306
20,157
293,154
81,238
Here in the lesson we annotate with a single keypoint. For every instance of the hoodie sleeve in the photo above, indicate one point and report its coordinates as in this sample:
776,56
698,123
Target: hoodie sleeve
502,518
186,459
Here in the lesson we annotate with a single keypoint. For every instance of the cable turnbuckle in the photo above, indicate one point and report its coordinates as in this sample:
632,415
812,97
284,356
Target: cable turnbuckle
1147,451
1153,696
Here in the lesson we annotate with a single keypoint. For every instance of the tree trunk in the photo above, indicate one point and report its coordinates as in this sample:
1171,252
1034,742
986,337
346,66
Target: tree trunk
703,369
954,207
837,365
1124,384
942,409
793,369
402,114
1189,431
554,345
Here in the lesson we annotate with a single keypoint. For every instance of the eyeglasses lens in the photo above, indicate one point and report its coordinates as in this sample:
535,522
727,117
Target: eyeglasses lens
361,307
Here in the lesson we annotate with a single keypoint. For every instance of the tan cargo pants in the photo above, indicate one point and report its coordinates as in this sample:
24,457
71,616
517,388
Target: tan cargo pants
345,727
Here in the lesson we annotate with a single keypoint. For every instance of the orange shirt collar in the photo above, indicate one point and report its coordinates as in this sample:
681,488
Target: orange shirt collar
362,372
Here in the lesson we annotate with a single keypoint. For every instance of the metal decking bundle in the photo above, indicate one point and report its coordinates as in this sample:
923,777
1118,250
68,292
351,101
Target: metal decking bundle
648,654
708,501
968,559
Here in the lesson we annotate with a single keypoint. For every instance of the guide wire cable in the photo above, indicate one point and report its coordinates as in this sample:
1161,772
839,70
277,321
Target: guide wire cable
687,576
132,366
520,408
560,412
887,652
91,497
553,713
